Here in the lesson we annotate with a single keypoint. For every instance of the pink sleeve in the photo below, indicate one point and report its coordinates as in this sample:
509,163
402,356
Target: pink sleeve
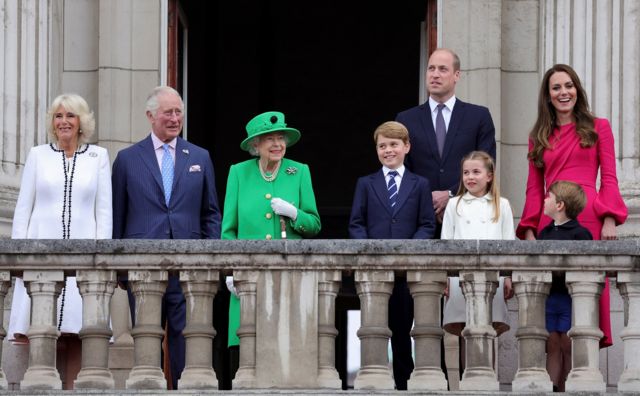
533,200
609,202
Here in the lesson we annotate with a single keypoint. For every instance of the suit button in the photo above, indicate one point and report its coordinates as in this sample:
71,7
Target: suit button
441,170
394,221
267,196
268,216
268,237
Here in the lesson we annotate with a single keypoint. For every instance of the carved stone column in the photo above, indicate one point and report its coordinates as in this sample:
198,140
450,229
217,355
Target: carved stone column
629,285
585,288
426,288
328,285
374,289
5,283
479,287
43,287
199,287
96,289
148,287
532,289
246,285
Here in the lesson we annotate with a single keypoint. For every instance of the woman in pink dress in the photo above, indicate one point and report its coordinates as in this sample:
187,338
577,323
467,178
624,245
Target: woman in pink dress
568,142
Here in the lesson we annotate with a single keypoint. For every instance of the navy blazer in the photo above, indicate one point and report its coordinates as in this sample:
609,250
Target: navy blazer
373,218
471,128
139,208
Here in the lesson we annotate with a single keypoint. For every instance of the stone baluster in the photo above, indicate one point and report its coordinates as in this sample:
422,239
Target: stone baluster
43,287
5,283
96,289
479,287
629,285
246,285
532,289
121,351
328,285
585,288
427,288
148,287
199,287
374,289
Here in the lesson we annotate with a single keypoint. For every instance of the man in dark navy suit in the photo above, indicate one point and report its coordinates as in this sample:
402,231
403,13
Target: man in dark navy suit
164,188
442,131
445,129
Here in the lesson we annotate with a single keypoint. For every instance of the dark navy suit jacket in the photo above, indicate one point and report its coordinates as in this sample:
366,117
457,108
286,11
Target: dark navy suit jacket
470,128
373,218
139,208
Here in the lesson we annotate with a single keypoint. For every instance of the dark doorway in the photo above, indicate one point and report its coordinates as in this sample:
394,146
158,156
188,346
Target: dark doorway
337,69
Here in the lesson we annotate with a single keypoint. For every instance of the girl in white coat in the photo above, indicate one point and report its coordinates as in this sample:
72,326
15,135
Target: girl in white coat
477,212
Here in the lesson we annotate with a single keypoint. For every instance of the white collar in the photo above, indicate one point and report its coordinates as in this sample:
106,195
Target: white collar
433,105
400,170
468,197
157,143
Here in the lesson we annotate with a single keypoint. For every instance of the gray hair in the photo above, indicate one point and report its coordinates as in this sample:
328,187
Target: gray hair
152,104
75,104
256,140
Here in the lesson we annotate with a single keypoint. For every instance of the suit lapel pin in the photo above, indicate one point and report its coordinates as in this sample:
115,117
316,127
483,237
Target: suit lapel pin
291,170
186,151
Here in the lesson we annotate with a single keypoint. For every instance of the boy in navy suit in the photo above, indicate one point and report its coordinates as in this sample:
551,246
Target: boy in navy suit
394,203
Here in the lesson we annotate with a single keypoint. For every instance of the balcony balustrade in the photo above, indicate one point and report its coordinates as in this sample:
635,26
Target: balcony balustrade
287,291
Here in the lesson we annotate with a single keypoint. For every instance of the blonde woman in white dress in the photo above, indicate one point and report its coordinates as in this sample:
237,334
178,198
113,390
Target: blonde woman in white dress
65,194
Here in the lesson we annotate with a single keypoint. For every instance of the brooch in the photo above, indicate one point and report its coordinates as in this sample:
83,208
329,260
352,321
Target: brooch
92,154
291,170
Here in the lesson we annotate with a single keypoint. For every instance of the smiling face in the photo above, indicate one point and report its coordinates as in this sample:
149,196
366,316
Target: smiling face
167,120
391,152
271,147
66,125
441,76
563,94
476,177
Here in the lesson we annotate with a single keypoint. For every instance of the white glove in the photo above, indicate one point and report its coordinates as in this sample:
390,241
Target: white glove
284,208
229,281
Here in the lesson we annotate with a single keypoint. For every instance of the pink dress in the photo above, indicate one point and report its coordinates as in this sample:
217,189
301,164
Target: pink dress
566,160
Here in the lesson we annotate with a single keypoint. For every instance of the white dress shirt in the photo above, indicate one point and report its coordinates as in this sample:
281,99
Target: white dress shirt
398,178
446,111
159,150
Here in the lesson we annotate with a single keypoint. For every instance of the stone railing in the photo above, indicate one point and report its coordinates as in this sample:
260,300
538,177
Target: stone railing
288,289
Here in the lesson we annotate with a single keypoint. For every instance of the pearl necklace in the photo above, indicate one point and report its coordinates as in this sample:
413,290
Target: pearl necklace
269,177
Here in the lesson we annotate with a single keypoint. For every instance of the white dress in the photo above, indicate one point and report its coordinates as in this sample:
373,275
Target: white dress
38,215
472,220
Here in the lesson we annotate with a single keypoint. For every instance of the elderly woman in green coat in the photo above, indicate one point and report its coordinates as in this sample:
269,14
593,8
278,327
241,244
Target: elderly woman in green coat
264,190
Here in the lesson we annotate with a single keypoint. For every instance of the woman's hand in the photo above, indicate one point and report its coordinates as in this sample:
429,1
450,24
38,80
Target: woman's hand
446,289
608,229
284,208
529,235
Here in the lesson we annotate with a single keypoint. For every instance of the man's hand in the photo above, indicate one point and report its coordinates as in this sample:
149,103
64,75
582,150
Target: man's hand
440,200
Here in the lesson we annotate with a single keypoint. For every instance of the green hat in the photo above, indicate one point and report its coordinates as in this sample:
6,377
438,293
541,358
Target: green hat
271,121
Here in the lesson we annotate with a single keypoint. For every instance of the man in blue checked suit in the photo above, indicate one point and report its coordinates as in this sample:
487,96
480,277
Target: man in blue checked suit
164,188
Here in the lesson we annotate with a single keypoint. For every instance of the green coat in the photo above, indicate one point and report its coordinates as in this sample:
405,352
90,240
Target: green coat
248,214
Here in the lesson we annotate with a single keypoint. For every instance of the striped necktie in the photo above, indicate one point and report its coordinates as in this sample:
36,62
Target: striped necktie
392,188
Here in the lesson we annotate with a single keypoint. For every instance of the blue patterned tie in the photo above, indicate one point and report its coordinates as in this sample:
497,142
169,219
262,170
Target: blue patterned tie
441,129
167,173
392,188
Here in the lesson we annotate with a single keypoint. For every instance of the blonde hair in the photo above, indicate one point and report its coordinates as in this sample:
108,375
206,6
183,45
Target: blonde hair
75,104
492,186
571,194
392,130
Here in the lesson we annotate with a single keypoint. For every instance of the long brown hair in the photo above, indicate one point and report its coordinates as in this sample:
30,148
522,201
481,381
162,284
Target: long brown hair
492,187
546,121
